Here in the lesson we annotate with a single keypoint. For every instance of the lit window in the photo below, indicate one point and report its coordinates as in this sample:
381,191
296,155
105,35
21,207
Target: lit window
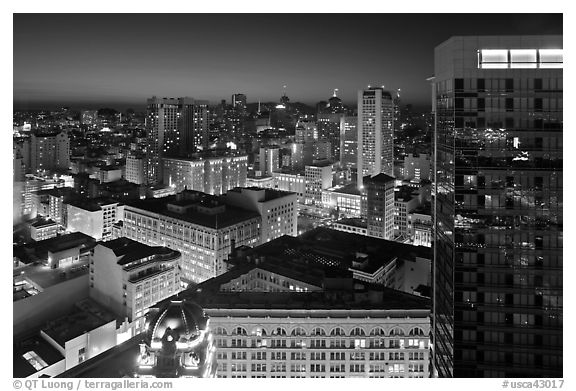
35,360
551,58
523,58
493,58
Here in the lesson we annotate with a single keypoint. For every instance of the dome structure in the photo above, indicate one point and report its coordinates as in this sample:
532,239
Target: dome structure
177,342
185,320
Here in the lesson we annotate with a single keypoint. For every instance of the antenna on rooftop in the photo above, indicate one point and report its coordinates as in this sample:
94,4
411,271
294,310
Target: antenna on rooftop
335,92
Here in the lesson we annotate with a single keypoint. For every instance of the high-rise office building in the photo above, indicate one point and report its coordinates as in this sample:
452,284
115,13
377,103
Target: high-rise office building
175,127
239,102
135,168
375,133
49,151
306,131
269,159
329,130
348,142
318,177
193,125
498,207
380,206
162,132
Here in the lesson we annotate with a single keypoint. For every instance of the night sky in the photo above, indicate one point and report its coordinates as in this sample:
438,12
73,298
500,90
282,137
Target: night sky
119,60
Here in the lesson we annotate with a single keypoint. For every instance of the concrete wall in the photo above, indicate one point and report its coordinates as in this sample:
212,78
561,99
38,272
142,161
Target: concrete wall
95,342
55,301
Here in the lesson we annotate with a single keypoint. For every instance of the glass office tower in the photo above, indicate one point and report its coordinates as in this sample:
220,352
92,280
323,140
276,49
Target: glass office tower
498,207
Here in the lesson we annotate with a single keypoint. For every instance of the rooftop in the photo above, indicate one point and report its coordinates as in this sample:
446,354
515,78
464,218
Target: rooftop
380,178
310,256
131,250
58,192
367,298
40,222
232,215
351,188
269,194
38,251
36,344
354,222
93,205
86,316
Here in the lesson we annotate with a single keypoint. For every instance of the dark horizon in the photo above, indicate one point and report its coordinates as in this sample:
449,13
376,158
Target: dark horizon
119,60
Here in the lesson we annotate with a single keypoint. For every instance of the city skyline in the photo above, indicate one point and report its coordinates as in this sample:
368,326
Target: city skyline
289,195
71,60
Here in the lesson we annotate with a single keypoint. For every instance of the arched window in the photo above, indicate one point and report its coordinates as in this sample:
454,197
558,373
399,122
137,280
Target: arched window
239,331
397,332
416,331
298,331
357,331
221,331
337,332
259,331
377,331
318,331
279,331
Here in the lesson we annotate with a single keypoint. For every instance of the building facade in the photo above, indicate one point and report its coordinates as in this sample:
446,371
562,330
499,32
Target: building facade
498,207
317,177
269,159
128,277
277,208
213,175
49,151
380,206
202,232
94,217
291,181
349,142
136,168
375,133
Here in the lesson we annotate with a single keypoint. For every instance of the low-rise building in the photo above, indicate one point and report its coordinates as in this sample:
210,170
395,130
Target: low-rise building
355,225
41,229
85,332
345,200
420,227
265,181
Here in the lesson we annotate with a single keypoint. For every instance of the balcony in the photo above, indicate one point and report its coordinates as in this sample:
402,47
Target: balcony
152,272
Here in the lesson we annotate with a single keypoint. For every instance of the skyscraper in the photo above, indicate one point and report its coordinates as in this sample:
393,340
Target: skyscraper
162,132
49,151
380,206
498,207
193,125
375,133
239,102
175,127
349,142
